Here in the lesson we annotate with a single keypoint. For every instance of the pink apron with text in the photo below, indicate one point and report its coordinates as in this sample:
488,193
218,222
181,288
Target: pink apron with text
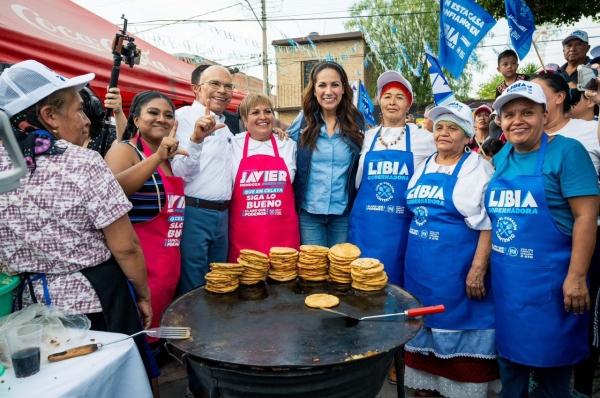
160,238
262,212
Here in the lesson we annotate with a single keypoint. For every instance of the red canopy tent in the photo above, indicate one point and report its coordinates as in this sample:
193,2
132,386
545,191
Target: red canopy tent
72,41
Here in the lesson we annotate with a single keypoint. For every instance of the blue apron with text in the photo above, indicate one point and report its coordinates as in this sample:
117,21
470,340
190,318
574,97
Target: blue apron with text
379,220
440,252
529,262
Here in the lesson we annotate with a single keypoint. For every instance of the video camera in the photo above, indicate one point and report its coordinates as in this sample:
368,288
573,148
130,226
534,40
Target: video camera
127,53
131,55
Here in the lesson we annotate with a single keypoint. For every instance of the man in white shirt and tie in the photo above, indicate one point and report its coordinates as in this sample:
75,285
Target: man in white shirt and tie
207,174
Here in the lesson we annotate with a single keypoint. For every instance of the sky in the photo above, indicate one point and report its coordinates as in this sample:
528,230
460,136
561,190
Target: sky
239,42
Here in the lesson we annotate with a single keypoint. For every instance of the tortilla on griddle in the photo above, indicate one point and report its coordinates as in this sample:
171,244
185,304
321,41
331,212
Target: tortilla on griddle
321,300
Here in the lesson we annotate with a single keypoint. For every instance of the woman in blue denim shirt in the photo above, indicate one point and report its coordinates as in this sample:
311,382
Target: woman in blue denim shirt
329,133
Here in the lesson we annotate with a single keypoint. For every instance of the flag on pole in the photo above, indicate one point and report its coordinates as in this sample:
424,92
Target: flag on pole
521,26
463,23
362,101
442,93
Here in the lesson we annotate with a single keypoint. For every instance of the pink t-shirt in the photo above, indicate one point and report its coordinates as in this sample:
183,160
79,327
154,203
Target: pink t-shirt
53,223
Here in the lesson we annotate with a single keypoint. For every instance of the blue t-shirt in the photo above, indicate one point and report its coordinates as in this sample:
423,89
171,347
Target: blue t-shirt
567,170
326,190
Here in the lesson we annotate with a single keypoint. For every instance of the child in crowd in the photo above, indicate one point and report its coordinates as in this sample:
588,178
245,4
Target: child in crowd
508,63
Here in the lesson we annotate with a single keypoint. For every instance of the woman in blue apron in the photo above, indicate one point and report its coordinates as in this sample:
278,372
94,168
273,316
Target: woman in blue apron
390,152
446,263
543,203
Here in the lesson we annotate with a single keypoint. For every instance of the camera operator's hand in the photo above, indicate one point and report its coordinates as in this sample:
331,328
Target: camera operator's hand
205,126
113,100
169,146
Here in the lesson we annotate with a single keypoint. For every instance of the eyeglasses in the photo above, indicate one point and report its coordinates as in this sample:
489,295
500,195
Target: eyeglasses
482,116
215,85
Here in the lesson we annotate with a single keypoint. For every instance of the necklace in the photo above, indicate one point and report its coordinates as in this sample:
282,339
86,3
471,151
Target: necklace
394,142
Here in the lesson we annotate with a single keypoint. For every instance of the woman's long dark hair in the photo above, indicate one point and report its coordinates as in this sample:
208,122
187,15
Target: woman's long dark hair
557,83
135,110
347,113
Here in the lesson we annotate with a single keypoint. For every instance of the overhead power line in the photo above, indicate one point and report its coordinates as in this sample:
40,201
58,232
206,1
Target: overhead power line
161,21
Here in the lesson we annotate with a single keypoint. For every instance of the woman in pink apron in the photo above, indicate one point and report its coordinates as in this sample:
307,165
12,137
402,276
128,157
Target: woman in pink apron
142,168
262,212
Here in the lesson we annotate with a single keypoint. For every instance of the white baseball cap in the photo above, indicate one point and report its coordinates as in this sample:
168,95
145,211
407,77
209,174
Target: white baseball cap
392,76
576,34
458,109
521,89
26,83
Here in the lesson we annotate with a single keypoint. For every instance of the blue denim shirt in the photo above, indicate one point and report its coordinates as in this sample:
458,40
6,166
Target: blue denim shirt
327,171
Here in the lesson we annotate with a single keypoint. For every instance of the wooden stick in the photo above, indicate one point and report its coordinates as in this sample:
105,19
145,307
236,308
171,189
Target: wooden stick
539,56
479,145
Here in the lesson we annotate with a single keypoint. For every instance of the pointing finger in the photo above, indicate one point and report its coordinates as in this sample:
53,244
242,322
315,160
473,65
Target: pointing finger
207,112
182,152
174,129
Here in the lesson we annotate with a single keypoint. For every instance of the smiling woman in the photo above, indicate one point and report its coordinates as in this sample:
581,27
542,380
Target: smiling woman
141,166
329,133
542,186
262,203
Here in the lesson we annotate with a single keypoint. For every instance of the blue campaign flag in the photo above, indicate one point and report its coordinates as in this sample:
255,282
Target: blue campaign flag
365,105
463,23
521,26
442,93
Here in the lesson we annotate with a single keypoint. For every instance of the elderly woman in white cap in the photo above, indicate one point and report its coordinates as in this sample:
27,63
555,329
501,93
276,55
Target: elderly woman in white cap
66,231
447,257
389,155
543,187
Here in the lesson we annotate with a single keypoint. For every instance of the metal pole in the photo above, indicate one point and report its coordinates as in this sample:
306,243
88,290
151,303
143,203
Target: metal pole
265,58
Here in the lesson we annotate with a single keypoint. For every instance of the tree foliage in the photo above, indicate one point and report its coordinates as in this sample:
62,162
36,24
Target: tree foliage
397,44
549,11
487,90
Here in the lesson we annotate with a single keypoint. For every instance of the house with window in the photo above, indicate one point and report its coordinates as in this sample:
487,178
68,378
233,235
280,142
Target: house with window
296,57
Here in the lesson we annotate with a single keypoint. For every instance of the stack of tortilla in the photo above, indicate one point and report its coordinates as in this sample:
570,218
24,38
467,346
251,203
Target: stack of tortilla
312,263
340,257
223,277
256,265
283,264
367,274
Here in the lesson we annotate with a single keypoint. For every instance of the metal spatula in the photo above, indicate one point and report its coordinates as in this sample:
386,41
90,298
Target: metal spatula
410,313
161,333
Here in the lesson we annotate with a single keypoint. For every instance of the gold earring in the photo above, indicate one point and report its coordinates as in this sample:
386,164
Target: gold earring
55,132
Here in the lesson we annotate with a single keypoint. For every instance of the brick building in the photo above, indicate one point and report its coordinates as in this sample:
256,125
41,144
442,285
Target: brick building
296,57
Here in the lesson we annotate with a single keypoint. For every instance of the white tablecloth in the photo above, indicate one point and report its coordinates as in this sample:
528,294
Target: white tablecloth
113,371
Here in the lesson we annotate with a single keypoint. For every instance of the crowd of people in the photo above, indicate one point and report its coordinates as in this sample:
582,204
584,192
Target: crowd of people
492,212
